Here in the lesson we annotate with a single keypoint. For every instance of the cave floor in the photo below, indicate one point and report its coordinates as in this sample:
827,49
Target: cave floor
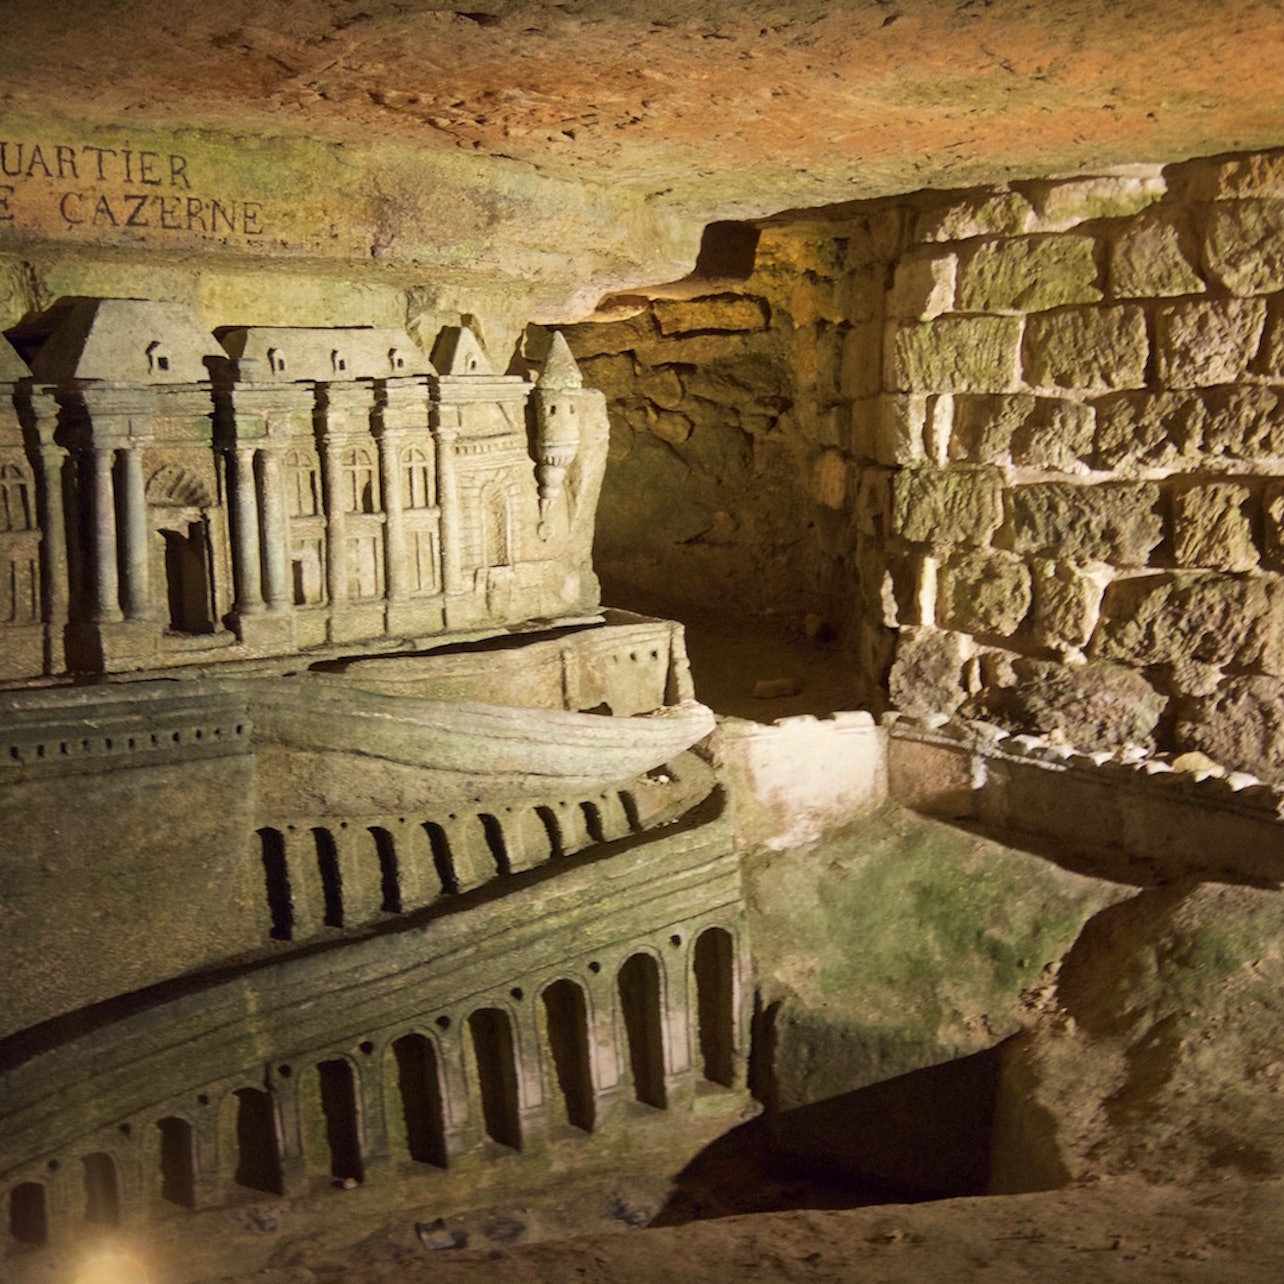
1114,1229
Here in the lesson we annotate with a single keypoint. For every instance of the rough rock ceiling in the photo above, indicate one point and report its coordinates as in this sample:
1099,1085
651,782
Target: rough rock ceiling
720,106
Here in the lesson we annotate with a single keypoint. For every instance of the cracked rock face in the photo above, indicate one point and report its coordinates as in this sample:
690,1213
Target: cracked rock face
713,107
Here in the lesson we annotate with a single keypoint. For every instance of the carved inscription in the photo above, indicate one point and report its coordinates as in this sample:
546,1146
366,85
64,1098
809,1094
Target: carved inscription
82,186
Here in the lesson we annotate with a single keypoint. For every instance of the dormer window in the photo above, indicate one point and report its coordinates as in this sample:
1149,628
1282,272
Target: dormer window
157,358
338,362
276,360
395,359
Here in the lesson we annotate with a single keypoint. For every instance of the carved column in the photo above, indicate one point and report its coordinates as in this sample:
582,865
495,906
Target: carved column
394,547
106,586
448,500
336,554
138,603
54,573
276,588
245,536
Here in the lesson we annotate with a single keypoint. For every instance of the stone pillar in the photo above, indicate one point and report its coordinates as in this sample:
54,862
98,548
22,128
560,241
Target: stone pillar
138,602
276,587
106,586
54,571
448,501
336,554
396,580
245,534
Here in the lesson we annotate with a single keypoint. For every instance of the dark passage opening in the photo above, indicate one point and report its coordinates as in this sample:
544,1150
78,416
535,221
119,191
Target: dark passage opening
28,1215
630,805
102,1190
331,879
276,874
714,1005
339,1105
389,874
187,580
567,1015
258,1156
639,983
495,841
442,859
492,1034
421,1103
177,1162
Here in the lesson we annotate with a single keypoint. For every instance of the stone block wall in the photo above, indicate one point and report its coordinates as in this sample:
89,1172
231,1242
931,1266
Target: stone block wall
1076,460
1022,446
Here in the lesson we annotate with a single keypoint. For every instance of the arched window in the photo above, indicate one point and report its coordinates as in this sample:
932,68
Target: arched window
639,984
302,489
29,1214
416,464
497,526
177,1161
258,1153
276,875
102,1190
492,1035
357,489
715,1004
389,870
15,499
566,1014
276,360
342,1127
419,1086
331,877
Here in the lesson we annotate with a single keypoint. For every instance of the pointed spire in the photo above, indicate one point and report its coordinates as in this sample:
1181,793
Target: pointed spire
457,352
560,373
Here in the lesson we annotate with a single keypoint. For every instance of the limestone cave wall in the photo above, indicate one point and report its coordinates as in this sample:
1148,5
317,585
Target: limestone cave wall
1023,445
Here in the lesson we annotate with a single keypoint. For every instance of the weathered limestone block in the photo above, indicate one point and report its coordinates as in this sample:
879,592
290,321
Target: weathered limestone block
1259,174
1213,526
1116,522
1207,342
894,427
978,214
862,362
1241,726
951,506
873,507
660,385
1138,430
927,674
668,425
1093,706
923,287
831,479
613,374
1244,245
1212,618
1067,602
726,313
1090,348
1245,422
1273,522
983,426
1057,434
1061,205
954,354
1029,274
983,591
1148,261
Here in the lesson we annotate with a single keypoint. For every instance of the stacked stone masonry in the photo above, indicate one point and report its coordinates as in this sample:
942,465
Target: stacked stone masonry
1028,441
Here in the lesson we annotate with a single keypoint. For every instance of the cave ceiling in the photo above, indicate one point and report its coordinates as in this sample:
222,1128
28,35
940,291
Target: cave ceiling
718,109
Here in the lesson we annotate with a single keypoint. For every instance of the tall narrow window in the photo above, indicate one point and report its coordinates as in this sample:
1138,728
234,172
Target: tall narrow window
492,1034
15,499
302,489
567,1015
331,879
358,493
442,858
276,875
258,1154
417,478
177,1162
102,1190
421,1105
389,873
715,1004
494,832
639,983
29,1214
342,1131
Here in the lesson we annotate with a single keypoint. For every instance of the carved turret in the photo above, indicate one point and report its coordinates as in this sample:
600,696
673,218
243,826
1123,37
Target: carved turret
557,428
